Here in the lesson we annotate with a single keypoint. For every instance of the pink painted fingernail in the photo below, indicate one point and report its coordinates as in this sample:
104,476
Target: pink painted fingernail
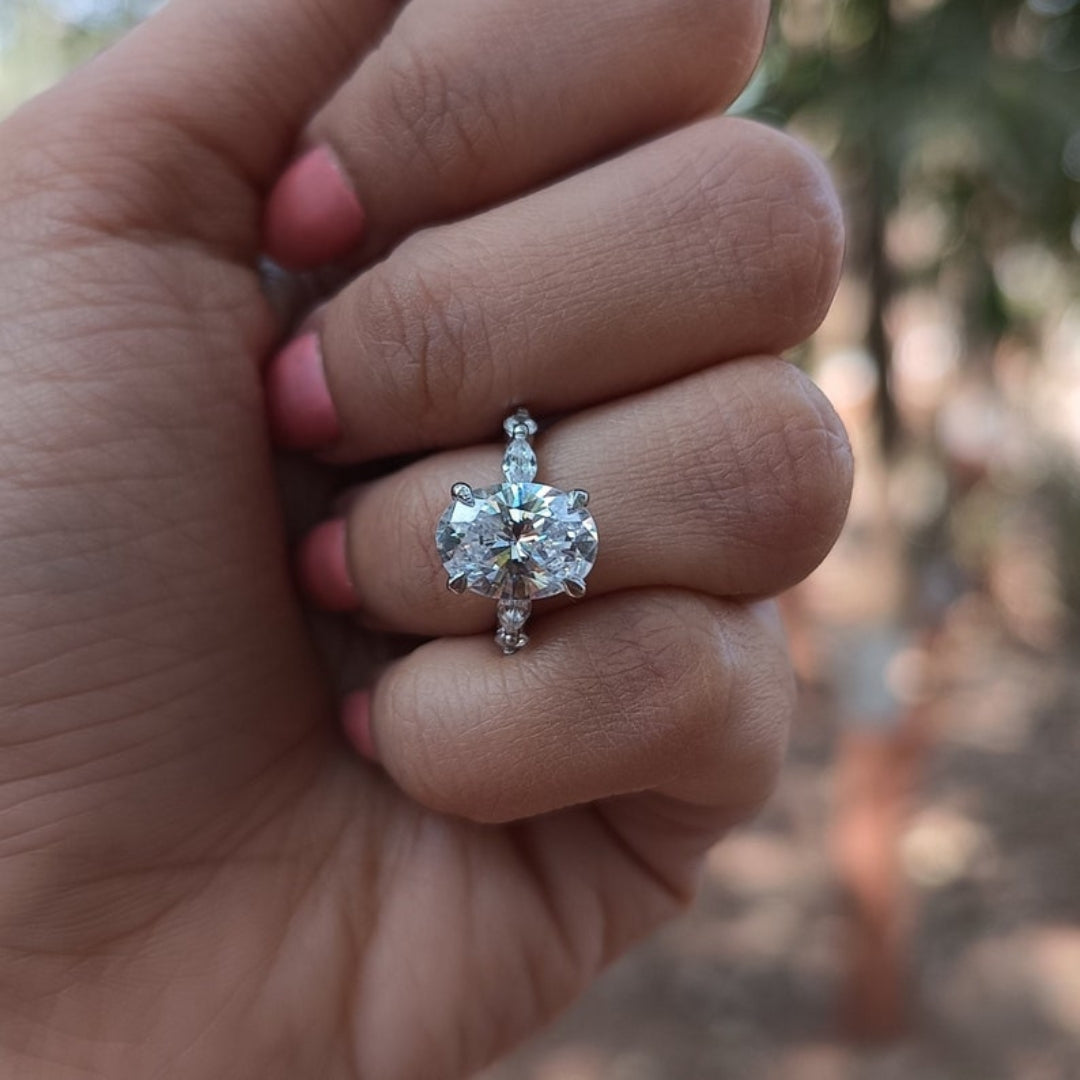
356,720
302,413
312,215
322,564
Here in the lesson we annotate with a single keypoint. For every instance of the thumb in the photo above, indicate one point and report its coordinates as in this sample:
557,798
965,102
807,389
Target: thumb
197,108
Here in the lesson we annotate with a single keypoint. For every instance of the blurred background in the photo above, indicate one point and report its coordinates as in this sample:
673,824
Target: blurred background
909,904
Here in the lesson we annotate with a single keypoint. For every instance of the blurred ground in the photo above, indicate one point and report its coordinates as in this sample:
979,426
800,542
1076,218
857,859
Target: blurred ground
749,984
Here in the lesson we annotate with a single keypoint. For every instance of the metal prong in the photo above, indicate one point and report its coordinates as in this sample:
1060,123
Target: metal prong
520,425
462,493
511,642
579,499
458,584
574,587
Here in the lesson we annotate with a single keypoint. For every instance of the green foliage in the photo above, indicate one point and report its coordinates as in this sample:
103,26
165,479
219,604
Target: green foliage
41,40
971,102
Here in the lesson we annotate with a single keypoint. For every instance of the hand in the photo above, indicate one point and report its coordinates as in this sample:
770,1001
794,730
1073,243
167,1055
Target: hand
199,877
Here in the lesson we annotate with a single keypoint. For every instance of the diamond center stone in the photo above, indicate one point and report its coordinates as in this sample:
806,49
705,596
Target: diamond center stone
521,540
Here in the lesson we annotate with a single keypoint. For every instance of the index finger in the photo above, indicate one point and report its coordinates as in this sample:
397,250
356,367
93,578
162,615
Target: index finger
467,103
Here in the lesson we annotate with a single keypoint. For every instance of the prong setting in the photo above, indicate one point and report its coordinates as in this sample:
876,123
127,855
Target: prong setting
520,425
574,588
517,541
510,641
463,493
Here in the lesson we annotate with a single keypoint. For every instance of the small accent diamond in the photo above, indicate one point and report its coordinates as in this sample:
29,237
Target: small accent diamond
519,464
513,614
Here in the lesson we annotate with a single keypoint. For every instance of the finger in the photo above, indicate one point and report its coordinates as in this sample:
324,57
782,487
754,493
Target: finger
466,104
721,240
184,122
663,691
734,481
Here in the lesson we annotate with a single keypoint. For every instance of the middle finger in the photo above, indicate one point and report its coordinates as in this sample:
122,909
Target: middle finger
721,240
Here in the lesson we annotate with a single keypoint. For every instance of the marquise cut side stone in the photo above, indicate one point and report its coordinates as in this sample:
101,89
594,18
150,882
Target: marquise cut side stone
513,613
519,462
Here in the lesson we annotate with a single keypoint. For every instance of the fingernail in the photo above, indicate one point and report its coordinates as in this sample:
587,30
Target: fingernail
312,215
302,413
356,720
322,564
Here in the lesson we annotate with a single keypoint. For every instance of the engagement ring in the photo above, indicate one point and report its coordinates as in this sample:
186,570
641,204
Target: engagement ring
518,541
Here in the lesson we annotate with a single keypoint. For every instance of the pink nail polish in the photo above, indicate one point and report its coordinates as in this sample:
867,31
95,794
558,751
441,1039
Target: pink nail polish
322,565
356,720
312,215
302,413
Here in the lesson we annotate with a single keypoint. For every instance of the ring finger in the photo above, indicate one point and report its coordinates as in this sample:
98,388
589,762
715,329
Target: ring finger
732,482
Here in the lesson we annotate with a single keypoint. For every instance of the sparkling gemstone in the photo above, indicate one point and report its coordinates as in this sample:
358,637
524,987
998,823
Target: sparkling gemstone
514,613
517,540
519,464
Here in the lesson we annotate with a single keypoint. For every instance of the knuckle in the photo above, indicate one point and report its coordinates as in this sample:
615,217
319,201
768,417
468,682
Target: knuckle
416,520
813,459
808,211
420,745
46,188
761,707
706,692
778,224
656,670
421,333
444,109
104,168
803,225
780,475
806,451
410,746
416,563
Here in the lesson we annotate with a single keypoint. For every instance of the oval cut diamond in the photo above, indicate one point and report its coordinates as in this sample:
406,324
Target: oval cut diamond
521,540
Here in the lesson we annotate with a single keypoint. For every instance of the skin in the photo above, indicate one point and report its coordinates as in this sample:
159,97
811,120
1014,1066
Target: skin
199,876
